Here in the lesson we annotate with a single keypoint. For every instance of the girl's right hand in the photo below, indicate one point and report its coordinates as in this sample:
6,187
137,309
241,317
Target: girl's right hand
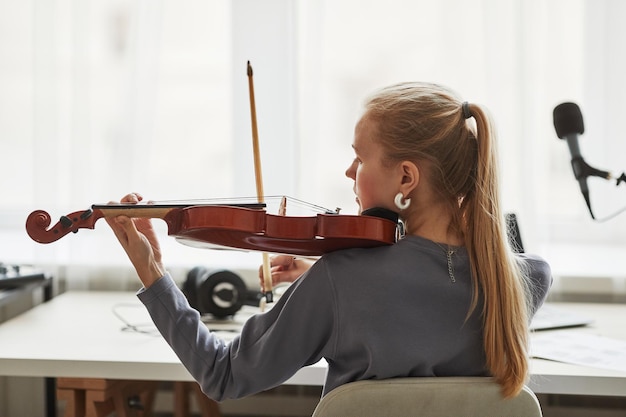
285,268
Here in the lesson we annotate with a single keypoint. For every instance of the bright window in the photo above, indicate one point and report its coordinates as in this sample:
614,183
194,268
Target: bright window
102,97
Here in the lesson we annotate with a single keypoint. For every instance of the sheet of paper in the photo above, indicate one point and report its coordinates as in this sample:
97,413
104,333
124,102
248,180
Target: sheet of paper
581,349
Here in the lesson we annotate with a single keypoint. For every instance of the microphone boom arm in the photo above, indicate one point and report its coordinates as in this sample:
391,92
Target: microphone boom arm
583,170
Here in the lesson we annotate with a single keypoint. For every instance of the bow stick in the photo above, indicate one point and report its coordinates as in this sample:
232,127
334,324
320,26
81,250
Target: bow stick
267,275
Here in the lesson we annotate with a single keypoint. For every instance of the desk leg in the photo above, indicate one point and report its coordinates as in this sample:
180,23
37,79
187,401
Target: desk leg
181,399
50,383
51,397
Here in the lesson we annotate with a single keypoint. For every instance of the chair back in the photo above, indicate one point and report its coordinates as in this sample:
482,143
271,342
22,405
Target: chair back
429,397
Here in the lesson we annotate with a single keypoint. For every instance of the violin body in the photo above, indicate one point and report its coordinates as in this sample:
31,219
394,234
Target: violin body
234,226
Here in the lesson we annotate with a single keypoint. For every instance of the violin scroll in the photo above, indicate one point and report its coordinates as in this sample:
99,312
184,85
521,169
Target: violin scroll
38,221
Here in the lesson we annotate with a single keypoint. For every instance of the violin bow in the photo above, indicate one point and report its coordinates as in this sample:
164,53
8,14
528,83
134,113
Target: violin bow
267,275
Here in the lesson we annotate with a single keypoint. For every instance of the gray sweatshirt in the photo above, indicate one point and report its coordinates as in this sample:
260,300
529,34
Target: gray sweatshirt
386,312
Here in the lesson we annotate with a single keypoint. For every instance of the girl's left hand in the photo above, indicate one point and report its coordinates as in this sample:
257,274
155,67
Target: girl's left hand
139,240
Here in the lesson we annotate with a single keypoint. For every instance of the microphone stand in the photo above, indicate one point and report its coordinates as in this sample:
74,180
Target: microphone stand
582,170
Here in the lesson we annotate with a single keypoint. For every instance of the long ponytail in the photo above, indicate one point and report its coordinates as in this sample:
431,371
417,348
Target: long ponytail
496,273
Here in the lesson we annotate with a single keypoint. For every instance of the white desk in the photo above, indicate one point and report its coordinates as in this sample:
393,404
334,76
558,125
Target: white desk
77,335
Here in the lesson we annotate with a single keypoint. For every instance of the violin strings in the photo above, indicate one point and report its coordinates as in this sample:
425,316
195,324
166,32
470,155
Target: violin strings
233,200
224,200
315,207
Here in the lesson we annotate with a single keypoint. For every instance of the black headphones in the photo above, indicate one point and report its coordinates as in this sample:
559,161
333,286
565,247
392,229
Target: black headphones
220,293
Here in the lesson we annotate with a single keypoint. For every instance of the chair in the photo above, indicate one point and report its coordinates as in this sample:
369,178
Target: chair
430,397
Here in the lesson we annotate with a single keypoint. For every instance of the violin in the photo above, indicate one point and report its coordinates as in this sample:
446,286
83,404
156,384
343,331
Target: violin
245,226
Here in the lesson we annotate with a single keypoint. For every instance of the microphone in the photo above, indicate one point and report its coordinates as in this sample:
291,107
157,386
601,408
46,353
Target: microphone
568,122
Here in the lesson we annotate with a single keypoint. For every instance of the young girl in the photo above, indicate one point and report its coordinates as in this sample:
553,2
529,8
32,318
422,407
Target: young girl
448,299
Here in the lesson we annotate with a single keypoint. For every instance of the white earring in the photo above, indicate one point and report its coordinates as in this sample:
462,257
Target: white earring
401,203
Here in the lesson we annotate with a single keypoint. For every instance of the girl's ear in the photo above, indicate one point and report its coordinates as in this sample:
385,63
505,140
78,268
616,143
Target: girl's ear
410,177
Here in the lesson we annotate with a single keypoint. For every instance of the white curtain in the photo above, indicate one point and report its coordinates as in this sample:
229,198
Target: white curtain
102,97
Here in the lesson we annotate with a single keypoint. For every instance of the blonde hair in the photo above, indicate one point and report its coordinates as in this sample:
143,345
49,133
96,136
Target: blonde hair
426,122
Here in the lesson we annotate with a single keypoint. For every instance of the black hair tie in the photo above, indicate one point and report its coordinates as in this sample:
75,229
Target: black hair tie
466,110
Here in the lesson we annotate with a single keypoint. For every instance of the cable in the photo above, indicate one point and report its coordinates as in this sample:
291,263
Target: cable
134,328
611,216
